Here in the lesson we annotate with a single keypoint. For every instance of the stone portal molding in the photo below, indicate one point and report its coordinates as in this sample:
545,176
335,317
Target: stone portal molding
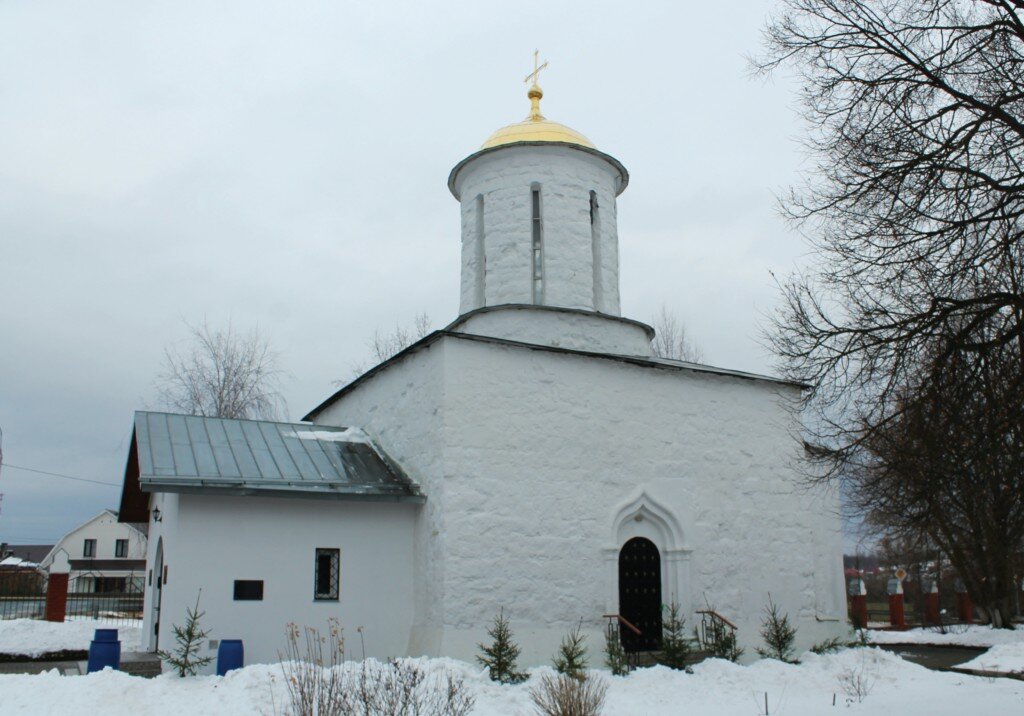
641,515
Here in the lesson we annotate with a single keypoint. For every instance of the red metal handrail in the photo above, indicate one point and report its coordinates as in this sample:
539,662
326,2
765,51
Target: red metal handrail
623,620
718,616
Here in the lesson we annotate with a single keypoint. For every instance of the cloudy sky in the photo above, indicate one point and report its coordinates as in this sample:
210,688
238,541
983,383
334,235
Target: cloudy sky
283,166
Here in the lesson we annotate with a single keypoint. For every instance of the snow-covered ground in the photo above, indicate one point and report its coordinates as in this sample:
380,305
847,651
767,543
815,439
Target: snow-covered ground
955,635
716,688
1002,658
33,637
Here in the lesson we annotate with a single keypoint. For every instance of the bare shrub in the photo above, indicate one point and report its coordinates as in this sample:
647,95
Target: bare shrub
320,683
312,671
563,695
857,682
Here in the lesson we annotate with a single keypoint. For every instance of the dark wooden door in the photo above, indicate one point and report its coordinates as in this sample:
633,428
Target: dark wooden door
640,594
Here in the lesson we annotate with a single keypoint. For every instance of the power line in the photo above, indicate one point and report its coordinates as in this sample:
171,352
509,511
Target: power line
57,474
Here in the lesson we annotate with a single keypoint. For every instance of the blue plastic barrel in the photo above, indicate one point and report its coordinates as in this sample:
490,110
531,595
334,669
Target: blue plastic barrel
104,650
230,655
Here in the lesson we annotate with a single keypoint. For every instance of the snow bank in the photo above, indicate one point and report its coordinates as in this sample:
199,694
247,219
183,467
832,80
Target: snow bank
1003,658
715,688
33,637
955,636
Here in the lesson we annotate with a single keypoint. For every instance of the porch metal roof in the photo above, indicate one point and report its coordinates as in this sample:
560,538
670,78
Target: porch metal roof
189,453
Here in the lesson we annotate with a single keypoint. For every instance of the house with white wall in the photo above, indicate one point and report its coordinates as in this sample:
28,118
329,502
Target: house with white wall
101,555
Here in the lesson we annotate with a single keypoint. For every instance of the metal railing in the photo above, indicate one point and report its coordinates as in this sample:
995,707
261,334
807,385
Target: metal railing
717,635
115,599
615,624
22,594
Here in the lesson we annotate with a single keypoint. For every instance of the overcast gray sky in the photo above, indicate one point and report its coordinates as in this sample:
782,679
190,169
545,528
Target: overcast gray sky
283,165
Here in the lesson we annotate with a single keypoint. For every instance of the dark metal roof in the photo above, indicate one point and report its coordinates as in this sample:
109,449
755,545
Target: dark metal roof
189,453
27,552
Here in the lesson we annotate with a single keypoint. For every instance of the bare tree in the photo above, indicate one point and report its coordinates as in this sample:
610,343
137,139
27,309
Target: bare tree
385,345
222,374
913,208
950,468
672,340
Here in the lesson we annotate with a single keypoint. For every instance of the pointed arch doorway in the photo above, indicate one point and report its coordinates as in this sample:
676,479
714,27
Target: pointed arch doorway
640,594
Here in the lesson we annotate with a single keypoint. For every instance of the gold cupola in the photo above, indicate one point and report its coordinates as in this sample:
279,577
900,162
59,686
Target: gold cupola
536,128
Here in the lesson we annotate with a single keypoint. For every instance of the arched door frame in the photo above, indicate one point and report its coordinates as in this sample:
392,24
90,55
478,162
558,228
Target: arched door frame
643,516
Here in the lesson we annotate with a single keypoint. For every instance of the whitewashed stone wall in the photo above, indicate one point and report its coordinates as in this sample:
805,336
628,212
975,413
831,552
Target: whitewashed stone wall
542,325
547,449
500,183
537,464
402,409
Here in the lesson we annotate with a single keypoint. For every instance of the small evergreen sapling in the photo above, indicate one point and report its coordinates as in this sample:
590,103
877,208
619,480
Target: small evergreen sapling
571,658
675,647
778,634
614,655
185,656
500,657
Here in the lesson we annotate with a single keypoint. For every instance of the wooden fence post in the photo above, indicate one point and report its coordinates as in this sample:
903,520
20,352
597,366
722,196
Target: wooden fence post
56,597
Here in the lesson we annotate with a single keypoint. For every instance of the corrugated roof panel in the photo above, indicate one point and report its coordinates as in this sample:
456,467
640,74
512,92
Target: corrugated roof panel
260,451
226,465
160,445
240,449
248,457
181,445
206,464
143,451
307,468
282,455
315,449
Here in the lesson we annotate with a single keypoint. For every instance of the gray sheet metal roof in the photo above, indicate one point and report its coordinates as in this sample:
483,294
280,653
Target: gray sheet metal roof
188,453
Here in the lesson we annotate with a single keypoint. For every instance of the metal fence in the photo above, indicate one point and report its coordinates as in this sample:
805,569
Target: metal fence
113,599
110,599
22,594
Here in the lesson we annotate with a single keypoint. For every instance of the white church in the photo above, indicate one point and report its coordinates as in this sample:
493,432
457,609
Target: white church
532,456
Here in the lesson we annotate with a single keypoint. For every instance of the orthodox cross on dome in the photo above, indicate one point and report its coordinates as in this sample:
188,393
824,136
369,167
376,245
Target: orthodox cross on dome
535,92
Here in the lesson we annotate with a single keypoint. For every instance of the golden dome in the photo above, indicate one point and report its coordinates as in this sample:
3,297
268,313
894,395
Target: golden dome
536,128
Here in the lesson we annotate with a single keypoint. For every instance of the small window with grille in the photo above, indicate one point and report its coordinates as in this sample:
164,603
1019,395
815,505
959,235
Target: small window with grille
327,567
